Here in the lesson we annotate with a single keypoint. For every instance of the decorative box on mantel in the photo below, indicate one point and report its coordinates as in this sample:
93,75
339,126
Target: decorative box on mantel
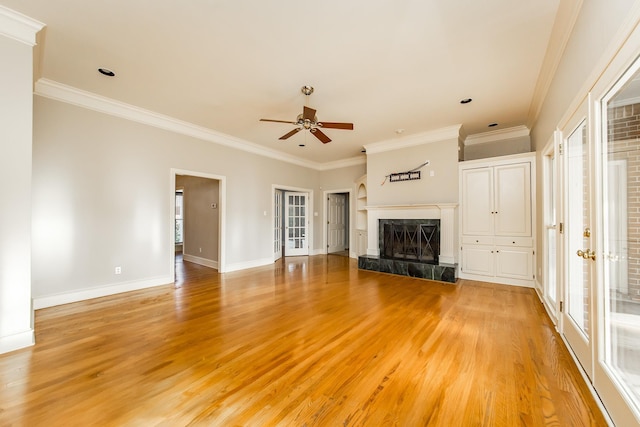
446,267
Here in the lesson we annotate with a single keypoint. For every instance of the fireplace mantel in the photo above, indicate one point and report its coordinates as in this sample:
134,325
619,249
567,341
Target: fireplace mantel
445,212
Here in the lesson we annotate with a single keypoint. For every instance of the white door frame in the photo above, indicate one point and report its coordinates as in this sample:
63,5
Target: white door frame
325,195
312,214
552,168
222,216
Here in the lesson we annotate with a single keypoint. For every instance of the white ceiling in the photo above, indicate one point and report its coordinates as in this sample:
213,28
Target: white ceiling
381,64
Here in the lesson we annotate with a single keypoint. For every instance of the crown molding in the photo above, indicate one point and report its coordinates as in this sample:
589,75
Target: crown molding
437,135
353,161
61,92
497,135
18,26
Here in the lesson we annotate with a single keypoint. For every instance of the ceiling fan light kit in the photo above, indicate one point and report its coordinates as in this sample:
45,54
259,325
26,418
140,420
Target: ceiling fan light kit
309,121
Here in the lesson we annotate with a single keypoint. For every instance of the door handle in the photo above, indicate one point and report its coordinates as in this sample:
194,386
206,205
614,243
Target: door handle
586,254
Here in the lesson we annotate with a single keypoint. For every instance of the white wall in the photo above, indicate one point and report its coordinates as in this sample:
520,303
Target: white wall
101,198
594,30
16,326
584,58
440,188
503,147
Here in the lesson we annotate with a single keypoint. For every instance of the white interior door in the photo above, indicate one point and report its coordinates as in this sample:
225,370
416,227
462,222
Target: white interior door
578,256
296,223
336,223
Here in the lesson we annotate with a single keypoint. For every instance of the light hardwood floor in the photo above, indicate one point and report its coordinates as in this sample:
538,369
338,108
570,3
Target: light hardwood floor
307,341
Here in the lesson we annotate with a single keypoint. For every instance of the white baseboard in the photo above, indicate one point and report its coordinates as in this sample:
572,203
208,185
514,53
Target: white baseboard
248,264
500,280
102,291
17,341
200,261
587,381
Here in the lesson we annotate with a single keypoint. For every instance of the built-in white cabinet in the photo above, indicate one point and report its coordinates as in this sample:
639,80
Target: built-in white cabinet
497,219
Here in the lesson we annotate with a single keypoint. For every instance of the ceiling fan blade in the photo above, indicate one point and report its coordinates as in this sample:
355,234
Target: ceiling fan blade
308,113
293,132
334,125
278,121
321,136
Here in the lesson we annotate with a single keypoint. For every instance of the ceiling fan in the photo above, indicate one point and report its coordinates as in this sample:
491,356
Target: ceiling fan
308,120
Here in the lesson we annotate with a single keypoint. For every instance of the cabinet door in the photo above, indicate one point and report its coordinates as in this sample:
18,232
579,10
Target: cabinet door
478,259
513,200
477,201
514,262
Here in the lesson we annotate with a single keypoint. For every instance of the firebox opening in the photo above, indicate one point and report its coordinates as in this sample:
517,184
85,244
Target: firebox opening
415,240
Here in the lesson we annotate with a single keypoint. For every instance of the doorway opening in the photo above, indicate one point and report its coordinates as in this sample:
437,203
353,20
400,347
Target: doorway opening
337,227
198,219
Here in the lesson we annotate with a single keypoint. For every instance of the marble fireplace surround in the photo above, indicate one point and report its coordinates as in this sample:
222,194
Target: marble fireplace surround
445,212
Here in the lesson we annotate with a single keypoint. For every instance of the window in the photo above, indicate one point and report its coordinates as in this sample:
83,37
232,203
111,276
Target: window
179,217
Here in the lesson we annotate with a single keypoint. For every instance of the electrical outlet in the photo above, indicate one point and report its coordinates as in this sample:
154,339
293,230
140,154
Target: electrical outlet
118,270
200,250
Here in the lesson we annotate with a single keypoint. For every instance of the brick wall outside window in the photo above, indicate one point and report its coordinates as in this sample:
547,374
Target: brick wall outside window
624,144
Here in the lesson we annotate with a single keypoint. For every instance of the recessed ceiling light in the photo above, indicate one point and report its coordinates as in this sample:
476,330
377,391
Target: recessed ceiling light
466,101
106,72
492,125
399,131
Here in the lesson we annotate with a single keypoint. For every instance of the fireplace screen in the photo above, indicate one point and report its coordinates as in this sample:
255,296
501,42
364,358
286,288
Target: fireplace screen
410,240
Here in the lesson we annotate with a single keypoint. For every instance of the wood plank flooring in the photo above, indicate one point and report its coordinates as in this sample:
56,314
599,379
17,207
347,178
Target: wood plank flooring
309,341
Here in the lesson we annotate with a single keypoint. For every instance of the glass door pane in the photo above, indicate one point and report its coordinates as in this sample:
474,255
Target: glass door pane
296,224
621,240
277,224
550,282
578,236
579,260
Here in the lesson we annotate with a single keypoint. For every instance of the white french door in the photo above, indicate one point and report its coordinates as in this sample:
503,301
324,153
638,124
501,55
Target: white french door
617,370
296,223
579,255
277,225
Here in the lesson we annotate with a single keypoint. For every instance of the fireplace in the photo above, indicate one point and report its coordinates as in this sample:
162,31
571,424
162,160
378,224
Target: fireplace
423,241
413,240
